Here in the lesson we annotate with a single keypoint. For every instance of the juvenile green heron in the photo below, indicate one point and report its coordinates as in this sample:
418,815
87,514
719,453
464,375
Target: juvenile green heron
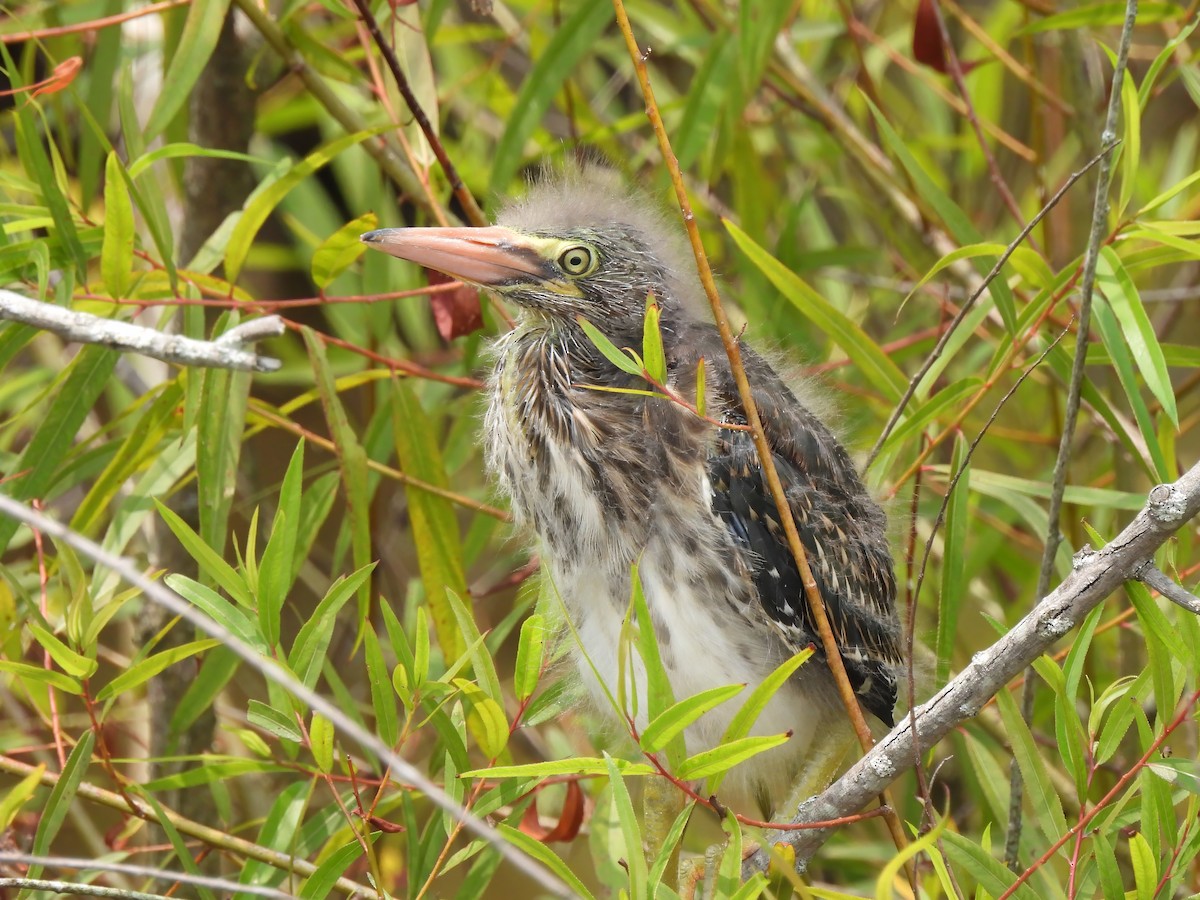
608,479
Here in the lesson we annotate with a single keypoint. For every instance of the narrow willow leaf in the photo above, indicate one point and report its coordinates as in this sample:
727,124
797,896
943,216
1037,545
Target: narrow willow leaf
116,253
570,41
308,649
54,437
278,559
220,426
991,874
62,796
579,765
1106,864
653,354
878,368
482,663
320,736
635,860
1137,329
727,755
659,695
341,250
1131,143
957,222
1050,818
208,560
531,650
74,664
141,672
954,562
433,523
885,884
219,610
267,196
1145,867
383,699
320,884
353,464
707,97
274,721
675,719
196,44
485,718
701,388
18,795
666,852
546,857
618,358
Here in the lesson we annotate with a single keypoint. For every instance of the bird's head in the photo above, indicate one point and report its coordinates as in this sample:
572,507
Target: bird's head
572,247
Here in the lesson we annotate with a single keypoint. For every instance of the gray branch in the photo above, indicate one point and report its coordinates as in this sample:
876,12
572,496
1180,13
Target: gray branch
1095,575
226,352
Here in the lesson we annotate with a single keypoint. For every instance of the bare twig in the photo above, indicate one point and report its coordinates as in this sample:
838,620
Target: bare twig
936,353
1094,576
833,657
1155,579
75,889
274,672
153,872
225,352
1074,391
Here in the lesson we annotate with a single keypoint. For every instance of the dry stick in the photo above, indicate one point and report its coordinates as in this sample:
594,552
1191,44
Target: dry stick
211,836
277,674
1074,390
465,198
936,353
828,642
1094,575
151,872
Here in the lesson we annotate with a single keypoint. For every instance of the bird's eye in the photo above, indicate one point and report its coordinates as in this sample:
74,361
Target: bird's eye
578,260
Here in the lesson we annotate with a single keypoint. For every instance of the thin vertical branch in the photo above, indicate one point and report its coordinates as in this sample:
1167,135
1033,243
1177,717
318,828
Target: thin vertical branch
1074,390
746,396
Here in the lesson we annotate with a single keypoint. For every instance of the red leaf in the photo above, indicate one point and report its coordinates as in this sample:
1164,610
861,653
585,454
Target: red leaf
455,313
927,44
570,820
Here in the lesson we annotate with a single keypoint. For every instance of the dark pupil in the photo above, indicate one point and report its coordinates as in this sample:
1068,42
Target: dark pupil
575,260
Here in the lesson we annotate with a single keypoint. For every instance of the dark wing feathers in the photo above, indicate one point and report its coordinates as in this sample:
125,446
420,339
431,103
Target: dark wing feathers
842,529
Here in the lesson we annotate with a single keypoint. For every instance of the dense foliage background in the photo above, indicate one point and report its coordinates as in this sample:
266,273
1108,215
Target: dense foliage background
855,175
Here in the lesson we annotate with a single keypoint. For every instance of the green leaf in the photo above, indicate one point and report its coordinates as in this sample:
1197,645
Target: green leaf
195,47
18,795
547,857
531,649
320,884
957,222
143,671
433,523
579,765
878,368
219,610
653,354
1137,329
1145,867
485,718
353,460
209,561
744,719
54,437
635,859
571,41
273,721
726,756
673,720
62,795
707,96
308,650
622,360
1179,772
659,696
954,558
1131,143
383,699
320,736
74,664
267,196
116,254
1109,869
991,874
1040,789
278,559
341,250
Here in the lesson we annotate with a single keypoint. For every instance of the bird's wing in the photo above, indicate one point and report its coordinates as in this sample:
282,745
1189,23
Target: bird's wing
842,529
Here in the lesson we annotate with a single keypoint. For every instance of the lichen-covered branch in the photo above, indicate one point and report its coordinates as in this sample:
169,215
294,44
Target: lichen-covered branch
1096,574
226,352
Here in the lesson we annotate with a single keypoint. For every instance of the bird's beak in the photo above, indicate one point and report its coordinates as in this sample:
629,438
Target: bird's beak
491,257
